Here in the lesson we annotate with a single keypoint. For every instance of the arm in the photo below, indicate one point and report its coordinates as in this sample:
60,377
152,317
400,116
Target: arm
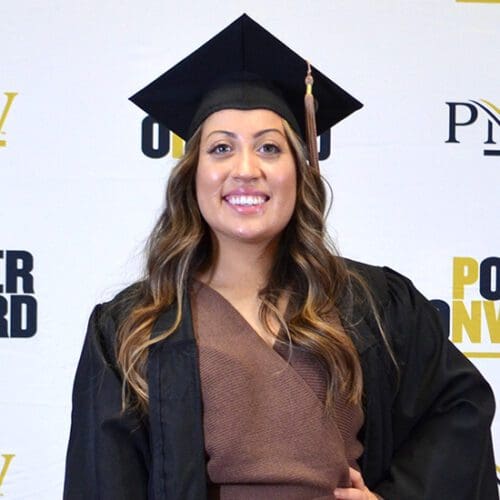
108,452
442,410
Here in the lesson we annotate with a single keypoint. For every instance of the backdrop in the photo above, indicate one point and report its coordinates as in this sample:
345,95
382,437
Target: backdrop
415,173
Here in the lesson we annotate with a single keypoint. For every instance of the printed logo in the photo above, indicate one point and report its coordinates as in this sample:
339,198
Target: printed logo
466,114
3,115
473,318
18,306
157,141
4,467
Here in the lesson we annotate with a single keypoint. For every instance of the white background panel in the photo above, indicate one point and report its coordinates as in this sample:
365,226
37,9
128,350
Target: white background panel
80,196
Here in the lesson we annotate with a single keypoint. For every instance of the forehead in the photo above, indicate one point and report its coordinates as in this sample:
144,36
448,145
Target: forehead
242,122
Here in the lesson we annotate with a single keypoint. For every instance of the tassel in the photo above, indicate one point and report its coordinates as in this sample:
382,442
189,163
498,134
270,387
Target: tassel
310,110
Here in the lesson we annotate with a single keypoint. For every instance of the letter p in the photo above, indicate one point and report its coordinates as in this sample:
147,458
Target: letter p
452,136
465,272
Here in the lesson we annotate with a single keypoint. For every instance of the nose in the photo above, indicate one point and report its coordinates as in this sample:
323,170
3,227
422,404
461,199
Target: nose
246,166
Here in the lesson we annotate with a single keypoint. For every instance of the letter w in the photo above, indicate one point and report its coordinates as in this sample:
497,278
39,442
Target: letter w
10,99
7,459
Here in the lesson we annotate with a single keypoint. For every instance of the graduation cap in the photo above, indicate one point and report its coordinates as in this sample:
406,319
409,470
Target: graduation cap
245,67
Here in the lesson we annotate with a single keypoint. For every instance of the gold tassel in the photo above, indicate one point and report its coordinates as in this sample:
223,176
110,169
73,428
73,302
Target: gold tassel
310,110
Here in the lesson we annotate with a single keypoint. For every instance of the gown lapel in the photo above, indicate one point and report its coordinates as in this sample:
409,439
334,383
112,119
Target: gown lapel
178,466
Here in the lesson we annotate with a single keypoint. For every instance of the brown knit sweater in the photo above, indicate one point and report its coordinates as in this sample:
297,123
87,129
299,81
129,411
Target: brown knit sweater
266,432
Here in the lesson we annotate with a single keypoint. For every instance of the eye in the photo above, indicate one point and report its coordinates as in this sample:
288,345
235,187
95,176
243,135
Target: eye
220,149
269,148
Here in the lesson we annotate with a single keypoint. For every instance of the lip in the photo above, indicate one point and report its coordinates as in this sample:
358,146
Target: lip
244,191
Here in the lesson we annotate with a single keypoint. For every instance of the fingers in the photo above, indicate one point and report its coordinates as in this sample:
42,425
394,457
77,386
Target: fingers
354,494
348,494
358,490
356,479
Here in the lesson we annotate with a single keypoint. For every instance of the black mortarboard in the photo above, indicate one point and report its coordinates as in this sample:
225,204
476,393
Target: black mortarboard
242,67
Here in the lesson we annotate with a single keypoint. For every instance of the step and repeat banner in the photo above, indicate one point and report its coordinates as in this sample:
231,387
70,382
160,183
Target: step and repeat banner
415,174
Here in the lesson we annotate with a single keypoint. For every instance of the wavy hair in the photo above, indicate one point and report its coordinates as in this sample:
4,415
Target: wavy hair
307,270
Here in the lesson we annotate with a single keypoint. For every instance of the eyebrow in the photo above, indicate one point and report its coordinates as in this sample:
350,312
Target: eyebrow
265,131
256,135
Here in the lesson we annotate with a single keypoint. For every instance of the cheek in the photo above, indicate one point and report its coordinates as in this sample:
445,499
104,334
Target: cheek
210,176
209,183
292,187
292,201
288,188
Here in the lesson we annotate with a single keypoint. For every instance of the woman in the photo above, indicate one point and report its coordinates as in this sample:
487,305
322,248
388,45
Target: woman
251,362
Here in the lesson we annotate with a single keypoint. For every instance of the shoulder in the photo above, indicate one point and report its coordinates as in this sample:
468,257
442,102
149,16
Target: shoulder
106,318
372,276
123,302
387,286
406,315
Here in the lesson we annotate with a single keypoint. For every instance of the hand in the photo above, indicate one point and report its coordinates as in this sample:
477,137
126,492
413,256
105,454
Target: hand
358,490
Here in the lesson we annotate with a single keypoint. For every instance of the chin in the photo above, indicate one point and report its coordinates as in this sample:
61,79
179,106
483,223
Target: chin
254,237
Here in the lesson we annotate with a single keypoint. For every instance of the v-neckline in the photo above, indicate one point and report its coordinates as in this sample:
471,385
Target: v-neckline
240,316
272,351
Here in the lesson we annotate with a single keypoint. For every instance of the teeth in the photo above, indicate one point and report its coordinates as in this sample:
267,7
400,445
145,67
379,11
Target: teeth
245,200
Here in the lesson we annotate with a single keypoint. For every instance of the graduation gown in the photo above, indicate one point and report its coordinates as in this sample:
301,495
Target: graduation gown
426,433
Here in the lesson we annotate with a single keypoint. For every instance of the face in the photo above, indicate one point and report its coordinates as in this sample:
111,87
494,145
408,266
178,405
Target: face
246,176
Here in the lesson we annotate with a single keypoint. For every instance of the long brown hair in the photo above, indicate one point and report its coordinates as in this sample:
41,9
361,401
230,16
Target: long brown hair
306,268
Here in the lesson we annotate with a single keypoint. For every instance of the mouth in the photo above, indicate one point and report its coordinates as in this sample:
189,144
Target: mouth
245,200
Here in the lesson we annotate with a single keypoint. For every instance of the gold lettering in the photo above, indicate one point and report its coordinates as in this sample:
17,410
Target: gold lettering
465,272
5,112
7,459
463,321
493,320
177,146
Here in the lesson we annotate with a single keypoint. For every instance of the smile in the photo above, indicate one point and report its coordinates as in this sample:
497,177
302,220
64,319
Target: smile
246,200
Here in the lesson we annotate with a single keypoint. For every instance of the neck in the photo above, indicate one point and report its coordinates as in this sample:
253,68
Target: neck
240,266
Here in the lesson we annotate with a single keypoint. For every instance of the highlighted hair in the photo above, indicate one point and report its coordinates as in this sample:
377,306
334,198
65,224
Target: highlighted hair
307,270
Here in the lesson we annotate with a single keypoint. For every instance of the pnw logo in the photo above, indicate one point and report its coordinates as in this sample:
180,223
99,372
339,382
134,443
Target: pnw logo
472,113
4,113
473,316
4,467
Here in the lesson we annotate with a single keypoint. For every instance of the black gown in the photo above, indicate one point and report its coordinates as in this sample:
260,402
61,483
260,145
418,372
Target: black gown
426,434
